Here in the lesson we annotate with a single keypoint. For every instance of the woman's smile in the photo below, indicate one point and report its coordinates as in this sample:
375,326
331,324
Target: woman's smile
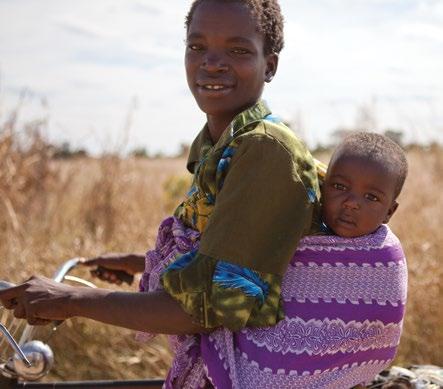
226,66
214,88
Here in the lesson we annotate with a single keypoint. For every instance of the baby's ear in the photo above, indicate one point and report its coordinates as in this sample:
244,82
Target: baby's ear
391,211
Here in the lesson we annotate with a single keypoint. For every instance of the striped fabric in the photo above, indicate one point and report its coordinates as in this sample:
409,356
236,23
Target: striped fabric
344,303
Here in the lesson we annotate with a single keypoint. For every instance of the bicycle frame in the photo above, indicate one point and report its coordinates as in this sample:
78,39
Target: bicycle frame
11,381
11,378
14,384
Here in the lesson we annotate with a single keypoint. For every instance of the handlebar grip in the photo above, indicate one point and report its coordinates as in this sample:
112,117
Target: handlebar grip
120,274
6,285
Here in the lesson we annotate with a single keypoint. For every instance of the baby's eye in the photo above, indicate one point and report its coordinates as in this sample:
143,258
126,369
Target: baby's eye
371,197
338,186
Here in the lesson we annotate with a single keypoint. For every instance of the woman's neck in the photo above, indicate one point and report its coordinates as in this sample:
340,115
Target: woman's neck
217,126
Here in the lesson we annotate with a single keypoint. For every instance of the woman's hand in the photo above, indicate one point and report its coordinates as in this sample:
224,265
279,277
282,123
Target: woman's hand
116,268
39,300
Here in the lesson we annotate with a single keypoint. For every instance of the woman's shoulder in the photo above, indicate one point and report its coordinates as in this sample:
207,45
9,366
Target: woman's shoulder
272,139
274,131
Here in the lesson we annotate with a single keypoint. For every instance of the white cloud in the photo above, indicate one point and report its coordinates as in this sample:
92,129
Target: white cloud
423,31
81,27
91,58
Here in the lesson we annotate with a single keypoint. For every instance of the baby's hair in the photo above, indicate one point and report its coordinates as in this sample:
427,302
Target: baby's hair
377,148
269,20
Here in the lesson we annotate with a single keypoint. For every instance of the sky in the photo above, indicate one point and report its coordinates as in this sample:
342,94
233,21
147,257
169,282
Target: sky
109,75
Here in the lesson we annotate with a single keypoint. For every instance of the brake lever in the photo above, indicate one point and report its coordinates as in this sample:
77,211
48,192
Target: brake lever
14,345
7,334
6,285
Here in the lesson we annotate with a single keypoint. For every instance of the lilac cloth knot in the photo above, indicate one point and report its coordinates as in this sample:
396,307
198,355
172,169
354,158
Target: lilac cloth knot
173,240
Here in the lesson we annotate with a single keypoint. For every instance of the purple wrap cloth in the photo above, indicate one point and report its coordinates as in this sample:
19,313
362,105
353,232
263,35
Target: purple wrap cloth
344,303
173,240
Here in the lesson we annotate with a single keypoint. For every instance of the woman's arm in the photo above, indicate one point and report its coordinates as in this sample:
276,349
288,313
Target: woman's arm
109,267
41,299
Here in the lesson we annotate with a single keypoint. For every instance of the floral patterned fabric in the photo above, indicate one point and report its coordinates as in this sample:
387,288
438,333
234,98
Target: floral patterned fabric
253,197
344,301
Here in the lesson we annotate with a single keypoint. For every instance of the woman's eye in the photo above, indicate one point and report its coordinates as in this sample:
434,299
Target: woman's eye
371,197
239,50
338,186
195,47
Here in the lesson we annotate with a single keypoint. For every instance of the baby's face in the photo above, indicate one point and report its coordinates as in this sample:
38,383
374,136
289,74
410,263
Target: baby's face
358,196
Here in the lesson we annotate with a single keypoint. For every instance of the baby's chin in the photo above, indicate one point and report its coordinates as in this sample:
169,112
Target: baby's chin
350,233
347,229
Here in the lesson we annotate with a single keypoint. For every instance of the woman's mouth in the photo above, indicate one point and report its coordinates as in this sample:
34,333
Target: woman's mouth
213,89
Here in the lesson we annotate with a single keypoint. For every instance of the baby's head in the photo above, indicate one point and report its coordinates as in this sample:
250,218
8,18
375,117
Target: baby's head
364,178
232,49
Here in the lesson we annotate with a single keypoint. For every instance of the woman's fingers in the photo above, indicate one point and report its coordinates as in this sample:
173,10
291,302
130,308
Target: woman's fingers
20,311
127,263
39,300
111,261
9,304
107,276
101,274
38,322
9,296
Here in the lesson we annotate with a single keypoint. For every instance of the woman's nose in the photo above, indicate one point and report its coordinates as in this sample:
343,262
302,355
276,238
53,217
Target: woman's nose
214,62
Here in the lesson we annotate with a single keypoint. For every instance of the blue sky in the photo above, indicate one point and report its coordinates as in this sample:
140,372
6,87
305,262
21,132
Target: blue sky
102,64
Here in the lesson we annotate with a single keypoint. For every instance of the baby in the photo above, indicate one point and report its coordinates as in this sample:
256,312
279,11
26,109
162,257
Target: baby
344,292
364,178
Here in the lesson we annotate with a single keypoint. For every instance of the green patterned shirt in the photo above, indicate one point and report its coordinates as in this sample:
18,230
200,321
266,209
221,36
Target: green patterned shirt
253,197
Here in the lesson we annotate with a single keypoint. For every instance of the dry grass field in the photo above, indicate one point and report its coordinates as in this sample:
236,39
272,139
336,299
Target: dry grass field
51,210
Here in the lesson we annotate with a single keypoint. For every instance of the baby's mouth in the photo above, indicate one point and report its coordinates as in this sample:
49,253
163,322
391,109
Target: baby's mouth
346,221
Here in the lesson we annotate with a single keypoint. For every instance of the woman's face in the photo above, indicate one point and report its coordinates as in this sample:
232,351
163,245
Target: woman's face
225,63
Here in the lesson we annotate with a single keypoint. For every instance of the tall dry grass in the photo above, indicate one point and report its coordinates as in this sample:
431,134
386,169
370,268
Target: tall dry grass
51,210
418,225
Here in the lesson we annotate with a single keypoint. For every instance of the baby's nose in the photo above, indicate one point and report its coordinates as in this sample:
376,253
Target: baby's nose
351,202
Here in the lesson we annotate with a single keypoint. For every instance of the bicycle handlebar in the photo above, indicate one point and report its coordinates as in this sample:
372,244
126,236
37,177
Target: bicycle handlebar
64,269
11,380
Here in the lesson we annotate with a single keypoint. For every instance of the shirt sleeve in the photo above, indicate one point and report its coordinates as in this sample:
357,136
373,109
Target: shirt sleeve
260,214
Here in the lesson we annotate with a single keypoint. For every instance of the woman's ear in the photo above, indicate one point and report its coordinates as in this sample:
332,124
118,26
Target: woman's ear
271,66
391,211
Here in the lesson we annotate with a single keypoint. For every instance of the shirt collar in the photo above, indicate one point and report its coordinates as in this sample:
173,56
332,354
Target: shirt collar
239,125
202,143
